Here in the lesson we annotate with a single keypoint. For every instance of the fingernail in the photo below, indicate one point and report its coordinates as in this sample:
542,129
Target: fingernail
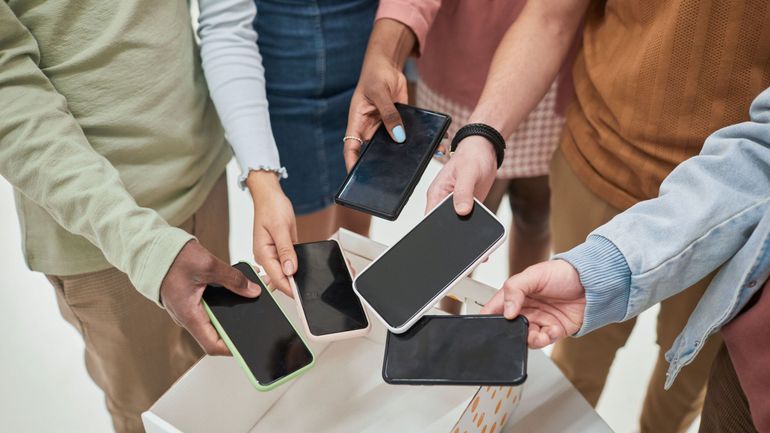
288,267
254,288
438,154
463,208
508,310
398,134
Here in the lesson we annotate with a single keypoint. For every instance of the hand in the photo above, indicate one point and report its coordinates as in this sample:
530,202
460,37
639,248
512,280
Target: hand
549,295
469,173
275,229
381,85
180,292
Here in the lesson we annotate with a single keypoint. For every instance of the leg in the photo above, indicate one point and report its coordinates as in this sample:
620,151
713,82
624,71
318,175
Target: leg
499,189
353,220
674,410
575,212
134,351
726,408
530,240
316,226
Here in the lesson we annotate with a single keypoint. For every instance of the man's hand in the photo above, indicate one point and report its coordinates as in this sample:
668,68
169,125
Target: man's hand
275,229
469,173
381,85
180,292
549,295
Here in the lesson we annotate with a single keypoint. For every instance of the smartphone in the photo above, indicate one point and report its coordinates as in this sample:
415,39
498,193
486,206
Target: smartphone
323,291
405,281
257,332
386,173
458,350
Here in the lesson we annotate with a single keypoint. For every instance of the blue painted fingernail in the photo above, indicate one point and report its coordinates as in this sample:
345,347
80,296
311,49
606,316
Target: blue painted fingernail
438,154
398,134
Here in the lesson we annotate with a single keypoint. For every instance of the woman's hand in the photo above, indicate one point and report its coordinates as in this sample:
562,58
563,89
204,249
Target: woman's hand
382,83
275,229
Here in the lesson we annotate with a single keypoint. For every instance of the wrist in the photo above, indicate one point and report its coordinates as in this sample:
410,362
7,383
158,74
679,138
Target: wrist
391,41
262,182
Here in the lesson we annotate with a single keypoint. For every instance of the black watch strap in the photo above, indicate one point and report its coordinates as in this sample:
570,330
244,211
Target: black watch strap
486,131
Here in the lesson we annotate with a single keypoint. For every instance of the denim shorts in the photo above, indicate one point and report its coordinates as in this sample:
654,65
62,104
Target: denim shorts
312,51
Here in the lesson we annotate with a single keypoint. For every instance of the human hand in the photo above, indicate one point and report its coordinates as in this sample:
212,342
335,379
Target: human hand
382,83
180,292
549,295
469,173
275,229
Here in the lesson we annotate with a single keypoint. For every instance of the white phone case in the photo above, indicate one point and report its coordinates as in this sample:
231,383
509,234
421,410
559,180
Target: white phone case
328,337
405,327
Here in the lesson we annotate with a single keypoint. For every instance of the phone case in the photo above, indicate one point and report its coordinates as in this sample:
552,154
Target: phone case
328,337
239,358
393,159
405,327
396,381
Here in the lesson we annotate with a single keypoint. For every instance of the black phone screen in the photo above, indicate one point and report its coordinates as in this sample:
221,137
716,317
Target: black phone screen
326,289
458,350
386,172
259,330
414,271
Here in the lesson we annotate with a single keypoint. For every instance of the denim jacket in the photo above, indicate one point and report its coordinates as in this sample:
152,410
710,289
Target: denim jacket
713,212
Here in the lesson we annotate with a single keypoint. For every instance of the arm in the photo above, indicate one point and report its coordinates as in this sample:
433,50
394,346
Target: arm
236,79
707,208
399,30
46,156
524,67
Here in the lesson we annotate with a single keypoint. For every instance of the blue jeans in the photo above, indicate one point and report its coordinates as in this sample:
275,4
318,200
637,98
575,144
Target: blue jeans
312,51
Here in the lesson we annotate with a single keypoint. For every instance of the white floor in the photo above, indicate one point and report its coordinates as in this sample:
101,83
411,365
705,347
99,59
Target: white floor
43,382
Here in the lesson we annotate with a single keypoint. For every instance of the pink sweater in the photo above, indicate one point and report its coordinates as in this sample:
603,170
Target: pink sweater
457,40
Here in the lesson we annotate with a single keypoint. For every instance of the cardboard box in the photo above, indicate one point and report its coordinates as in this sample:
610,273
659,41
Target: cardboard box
343,392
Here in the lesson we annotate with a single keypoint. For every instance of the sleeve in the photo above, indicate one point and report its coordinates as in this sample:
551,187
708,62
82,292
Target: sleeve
45,155
707,209
418,15
236,79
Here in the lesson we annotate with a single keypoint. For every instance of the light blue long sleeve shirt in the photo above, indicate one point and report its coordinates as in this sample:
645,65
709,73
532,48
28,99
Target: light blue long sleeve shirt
713,211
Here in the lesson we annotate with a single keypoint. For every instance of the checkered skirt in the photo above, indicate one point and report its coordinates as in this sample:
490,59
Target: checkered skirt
528,150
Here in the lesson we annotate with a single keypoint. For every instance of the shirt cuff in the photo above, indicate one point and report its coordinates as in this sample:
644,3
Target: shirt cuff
158,261
606,277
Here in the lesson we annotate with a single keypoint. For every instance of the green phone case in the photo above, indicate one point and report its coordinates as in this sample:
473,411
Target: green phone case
240,359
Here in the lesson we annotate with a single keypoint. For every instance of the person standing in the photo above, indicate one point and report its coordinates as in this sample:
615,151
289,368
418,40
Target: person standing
117,161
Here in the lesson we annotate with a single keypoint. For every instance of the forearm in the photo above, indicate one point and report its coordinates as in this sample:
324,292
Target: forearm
391,41
236,79
47,158
526,62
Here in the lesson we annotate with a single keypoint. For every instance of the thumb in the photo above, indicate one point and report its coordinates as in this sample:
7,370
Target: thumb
232,279
516,290
463,193
390,116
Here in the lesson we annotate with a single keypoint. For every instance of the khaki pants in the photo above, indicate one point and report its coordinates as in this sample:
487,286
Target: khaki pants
726,408
575,212
133,350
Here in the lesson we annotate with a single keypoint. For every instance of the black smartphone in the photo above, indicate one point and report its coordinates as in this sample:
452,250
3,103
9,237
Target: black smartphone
386,173
259,335
411,276
458,350
323,289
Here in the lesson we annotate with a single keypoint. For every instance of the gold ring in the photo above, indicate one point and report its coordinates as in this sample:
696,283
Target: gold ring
352,137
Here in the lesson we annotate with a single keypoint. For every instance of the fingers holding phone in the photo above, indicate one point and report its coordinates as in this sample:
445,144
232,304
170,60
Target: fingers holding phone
275,229
181,290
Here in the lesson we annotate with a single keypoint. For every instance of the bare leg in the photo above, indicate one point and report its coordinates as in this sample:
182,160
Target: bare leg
496,194
530,241
316,226
353,220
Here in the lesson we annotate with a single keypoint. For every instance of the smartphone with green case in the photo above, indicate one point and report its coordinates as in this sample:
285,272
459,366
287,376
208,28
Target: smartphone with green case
260,336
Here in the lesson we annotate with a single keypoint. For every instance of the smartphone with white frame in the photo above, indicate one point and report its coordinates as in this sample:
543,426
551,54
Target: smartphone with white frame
406,280
323,290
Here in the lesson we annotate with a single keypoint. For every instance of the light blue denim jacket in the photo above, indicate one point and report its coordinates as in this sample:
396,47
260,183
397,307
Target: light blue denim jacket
713,211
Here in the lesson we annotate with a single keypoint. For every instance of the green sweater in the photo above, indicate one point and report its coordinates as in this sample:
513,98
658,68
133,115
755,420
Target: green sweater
106,133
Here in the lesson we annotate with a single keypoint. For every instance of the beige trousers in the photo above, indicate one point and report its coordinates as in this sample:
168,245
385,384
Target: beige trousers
133,350
575,212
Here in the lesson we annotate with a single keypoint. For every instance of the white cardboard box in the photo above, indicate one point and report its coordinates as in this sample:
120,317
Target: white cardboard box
343,392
